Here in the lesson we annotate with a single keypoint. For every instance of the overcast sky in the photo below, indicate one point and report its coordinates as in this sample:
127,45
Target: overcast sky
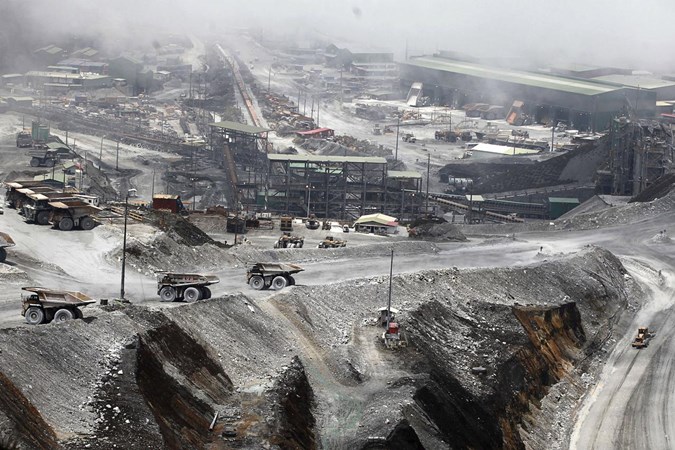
630,33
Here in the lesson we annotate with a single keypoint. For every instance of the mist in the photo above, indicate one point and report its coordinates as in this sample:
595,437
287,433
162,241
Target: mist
627,34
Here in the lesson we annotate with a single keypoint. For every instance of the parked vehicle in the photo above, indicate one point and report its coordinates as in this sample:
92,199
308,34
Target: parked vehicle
312,223
43,305
184,286
277,276
331,242
286,223
5,241
47,158
67,215
24,139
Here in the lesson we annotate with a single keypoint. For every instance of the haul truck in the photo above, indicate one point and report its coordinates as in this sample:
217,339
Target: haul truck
66,215
277,276
43,305
184,286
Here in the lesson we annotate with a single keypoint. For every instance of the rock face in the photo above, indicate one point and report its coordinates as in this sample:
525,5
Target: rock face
493,358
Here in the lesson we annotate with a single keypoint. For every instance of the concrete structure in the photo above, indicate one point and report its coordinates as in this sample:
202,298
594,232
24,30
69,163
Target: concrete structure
582,104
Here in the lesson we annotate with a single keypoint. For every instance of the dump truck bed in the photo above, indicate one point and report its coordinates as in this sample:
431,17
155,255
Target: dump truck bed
54,298
6,240
274,268
76,205
185,279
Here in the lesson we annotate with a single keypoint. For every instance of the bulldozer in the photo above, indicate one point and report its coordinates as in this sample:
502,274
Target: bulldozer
289,241
331,242
409,137
642,338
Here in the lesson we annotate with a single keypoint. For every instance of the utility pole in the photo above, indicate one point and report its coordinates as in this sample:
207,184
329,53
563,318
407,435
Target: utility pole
269,79
341,90
312,116
391,276
398,126
426,204
100,153
124,244
117,157
318,110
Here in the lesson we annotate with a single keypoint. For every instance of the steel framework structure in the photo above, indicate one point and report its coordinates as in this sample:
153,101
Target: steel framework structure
240,149
337,187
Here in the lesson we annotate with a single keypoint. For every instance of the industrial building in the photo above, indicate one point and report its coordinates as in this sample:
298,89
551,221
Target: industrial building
83,65
62,81
582,104
240,149
663,89
340,187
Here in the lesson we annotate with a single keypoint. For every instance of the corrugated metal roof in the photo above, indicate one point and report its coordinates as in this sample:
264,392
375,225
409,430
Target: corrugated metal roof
563,200
503,149
636,81
166,196
404,174
379,218
513,76
236,126
324,158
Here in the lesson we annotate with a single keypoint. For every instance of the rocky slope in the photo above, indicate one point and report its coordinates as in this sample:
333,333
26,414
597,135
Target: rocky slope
494,359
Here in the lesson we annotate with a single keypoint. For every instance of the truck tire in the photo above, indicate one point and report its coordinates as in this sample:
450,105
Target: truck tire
206,292
34,315
192,294
167,294
87,223
3,254
63,315
291,281
279,282
66,224
50,162
42,218
35,162
77,313
256,282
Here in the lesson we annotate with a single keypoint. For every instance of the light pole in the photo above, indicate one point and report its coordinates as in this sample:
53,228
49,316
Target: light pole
426,203
309,196
398,126
100,153
124,244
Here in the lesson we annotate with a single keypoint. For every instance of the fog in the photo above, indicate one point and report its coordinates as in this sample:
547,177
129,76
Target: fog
629,33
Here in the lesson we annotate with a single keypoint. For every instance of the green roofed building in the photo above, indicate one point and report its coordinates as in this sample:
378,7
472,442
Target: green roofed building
581,103
557,206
